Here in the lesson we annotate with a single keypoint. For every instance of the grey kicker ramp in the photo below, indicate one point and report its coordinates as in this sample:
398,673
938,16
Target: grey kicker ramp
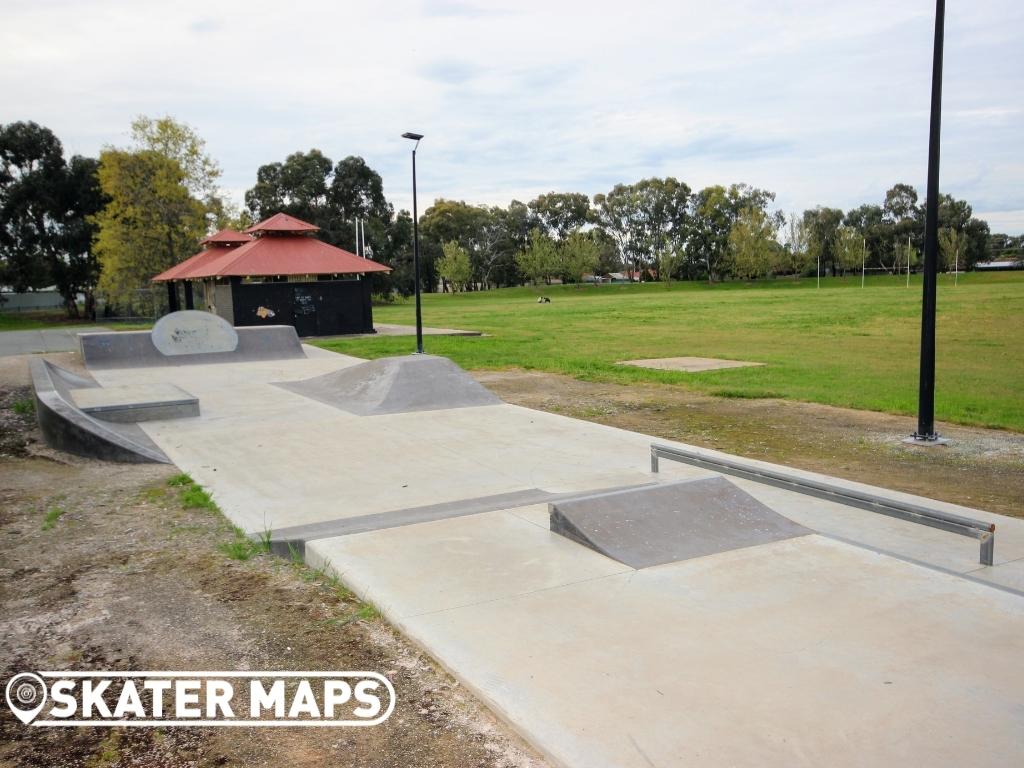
135,349
67,428
665,523
396,385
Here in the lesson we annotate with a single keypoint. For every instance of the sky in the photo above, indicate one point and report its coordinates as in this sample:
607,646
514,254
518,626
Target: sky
822,102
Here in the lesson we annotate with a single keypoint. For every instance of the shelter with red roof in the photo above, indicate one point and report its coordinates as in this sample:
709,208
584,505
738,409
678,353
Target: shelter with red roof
278,273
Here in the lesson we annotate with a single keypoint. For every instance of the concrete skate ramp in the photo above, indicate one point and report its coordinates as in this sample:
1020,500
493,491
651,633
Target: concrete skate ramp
396,385
135,349
666,523
66,428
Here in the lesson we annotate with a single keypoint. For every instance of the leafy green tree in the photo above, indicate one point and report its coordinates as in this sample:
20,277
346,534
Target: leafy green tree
46,207
298,186
150,223
670,261
849,249
358,190
714,211
474,227
561,213
512,229
645,219
608,259
822,225
180,142
76,267
958,215
751,241
797,256
904,215
32,172
952,244
539,260
578,254
454,267
906,254
396,250
869,222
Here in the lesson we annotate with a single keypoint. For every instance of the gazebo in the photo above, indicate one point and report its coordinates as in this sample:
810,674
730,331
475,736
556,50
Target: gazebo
278,273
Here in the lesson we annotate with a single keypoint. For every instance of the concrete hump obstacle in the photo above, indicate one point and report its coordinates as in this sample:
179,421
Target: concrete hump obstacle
396,385
190,333
189,337
67,428
658,524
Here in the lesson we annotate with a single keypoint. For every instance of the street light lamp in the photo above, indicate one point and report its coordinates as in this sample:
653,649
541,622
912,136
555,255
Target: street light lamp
416,242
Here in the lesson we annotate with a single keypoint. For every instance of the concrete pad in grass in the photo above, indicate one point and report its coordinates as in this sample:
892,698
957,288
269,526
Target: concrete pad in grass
688,364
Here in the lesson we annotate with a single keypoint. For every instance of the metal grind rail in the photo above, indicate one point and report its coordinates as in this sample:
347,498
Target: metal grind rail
915,513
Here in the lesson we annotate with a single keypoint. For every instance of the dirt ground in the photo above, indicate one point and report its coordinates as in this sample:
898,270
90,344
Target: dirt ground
126,578
981,468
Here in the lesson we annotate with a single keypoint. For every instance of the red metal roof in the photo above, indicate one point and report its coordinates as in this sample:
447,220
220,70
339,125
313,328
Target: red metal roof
225,237
177,272
216,246
289,253
282,222
272,256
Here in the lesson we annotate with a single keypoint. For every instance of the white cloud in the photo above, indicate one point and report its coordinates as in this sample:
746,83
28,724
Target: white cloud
822,103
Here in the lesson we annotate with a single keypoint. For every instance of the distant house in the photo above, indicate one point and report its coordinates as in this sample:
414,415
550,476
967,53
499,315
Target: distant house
991,266
277,273
632,276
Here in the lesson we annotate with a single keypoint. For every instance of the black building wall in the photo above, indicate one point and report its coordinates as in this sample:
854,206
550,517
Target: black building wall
321,308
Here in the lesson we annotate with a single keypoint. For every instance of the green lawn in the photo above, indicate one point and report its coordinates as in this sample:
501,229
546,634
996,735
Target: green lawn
839,344
34,321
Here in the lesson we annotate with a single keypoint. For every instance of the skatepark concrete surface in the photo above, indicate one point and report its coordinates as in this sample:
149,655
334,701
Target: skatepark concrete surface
860,640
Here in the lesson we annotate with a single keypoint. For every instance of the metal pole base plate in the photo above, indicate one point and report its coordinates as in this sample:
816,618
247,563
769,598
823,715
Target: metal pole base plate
925,441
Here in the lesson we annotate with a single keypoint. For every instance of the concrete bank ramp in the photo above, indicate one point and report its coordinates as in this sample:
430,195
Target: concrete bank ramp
396,385
658,524
189,337
66,427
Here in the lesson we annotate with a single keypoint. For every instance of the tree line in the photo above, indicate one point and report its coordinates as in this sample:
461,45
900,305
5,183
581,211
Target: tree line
108,224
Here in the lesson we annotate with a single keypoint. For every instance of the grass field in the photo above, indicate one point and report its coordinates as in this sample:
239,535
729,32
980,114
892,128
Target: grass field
839,345
35,321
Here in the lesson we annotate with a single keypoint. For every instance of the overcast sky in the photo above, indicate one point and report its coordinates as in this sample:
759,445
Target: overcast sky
823,102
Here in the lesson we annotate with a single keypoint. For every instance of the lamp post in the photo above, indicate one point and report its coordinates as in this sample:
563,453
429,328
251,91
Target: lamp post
416,242
926,434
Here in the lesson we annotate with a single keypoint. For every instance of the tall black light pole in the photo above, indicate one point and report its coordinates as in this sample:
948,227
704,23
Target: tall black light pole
926,433
416,242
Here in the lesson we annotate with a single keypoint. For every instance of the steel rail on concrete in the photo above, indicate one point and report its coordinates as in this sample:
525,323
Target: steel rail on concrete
915,513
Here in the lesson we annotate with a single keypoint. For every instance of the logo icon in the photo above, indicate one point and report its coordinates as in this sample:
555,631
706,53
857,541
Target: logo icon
26,695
